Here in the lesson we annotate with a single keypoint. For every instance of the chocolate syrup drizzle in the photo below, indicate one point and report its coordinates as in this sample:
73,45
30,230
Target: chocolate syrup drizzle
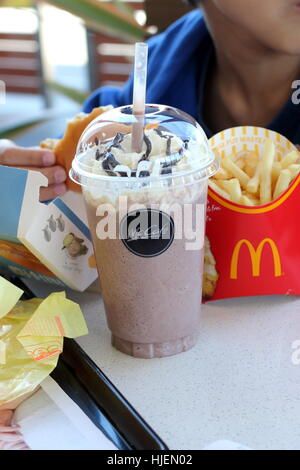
110,162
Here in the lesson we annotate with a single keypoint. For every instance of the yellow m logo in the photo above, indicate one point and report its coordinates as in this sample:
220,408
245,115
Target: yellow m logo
255,255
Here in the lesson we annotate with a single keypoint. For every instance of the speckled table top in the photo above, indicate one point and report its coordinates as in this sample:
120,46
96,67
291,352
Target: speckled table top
239,383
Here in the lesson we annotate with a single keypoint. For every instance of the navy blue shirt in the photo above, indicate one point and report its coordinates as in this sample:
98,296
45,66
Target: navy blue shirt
178,71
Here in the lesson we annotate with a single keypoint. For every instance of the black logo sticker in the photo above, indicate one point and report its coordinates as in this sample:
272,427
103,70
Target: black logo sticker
147,232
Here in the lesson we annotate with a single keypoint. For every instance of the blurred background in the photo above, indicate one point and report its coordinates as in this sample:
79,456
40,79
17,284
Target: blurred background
54,53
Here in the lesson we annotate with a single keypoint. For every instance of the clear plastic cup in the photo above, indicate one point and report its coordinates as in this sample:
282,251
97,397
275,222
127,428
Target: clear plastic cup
146,214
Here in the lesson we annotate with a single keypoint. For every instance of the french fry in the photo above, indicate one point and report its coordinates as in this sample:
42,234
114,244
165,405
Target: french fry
218,190
283,183
251,162
232,156
276,169
254,200
247,180
240,162
277,157
253,184
233,188
294,170
229,165
222,174
210,272
245,201
289,159
266,172
219,183
209,257
238,155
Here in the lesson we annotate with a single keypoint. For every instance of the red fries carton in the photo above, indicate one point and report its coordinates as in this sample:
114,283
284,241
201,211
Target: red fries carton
252,250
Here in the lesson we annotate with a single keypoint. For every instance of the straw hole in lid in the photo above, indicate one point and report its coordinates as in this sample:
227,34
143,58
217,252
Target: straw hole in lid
148,110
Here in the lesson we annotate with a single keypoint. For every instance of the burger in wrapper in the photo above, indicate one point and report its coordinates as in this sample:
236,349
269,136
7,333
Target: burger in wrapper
31,340
65,148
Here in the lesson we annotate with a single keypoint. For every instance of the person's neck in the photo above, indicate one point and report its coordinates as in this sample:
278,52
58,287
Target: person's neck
250,83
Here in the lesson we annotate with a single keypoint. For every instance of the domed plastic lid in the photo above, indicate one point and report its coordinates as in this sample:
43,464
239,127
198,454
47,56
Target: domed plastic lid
172,144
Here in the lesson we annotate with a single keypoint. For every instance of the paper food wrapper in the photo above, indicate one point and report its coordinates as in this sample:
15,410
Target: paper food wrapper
256,249
48,242
31,338
66,428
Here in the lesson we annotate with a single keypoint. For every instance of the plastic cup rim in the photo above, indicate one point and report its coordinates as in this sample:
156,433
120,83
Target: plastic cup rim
76,173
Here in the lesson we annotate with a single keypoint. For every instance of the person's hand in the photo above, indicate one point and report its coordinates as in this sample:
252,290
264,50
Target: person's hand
42,160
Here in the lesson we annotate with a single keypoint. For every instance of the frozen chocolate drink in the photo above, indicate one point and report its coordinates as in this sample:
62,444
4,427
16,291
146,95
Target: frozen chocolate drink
146,212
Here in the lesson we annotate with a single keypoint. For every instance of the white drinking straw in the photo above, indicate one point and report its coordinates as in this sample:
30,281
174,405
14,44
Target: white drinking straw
139,95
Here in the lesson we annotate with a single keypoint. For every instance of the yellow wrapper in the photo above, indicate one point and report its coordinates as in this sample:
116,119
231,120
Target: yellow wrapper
9,296
31,338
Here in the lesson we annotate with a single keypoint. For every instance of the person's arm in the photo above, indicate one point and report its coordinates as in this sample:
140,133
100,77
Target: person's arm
116,97
109,95
35,159
170,56
44,160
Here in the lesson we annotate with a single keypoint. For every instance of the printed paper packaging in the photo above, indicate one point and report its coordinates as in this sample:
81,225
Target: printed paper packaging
256,249
31,338
49,242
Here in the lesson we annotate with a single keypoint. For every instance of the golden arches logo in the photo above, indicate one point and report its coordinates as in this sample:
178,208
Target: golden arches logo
255,255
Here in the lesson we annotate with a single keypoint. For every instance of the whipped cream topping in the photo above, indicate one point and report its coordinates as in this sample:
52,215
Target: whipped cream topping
162,153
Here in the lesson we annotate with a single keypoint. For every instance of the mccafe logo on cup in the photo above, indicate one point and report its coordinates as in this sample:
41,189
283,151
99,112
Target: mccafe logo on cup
147,232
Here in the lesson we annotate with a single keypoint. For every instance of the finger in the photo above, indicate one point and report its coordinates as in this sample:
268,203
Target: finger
19,156
52,192
7,143
5,417
55,174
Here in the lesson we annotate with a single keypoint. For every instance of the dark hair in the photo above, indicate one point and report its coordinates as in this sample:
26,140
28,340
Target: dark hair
193,3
